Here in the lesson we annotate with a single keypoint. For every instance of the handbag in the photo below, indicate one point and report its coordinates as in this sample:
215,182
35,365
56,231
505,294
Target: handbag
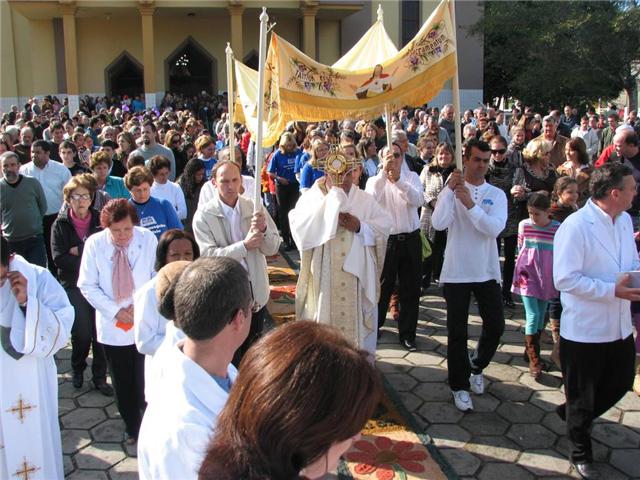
426,246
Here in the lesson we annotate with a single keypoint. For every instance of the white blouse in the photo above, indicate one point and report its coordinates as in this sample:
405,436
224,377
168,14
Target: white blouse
94,281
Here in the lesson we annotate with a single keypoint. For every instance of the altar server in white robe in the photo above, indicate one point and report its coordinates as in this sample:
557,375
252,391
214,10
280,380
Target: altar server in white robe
211,303
342,233
35,322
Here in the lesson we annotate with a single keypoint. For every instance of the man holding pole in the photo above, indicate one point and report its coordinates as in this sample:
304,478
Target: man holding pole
474,213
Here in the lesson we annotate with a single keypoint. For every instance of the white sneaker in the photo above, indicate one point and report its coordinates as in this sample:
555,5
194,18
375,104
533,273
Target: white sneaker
477,383
462,400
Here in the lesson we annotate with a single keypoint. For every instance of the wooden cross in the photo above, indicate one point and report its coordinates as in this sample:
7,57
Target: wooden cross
26,471
21,408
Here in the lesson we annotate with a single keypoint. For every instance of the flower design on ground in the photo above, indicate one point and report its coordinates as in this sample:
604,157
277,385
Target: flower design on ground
385,457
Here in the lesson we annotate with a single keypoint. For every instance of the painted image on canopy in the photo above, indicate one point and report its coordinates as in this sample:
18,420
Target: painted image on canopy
379,82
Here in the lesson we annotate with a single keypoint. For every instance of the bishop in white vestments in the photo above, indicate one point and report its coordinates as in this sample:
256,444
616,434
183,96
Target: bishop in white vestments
342,233
35,322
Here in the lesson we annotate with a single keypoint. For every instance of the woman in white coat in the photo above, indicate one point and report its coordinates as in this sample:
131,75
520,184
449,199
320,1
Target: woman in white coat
115,263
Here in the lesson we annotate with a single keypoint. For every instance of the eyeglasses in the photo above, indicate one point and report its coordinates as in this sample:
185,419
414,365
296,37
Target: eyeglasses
499,151
80,196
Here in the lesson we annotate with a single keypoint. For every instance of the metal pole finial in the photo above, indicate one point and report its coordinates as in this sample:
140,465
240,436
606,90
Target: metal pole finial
264,17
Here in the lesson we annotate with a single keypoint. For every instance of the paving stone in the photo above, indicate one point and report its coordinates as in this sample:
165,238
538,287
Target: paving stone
391,351
83,418
67,390
433,392
502,372
544,462
600,451
93,398
410,401
65,405
547,400
88,475
424,342
448,435
399,364
124,470
515,392
484,424
609,472
513,338
545,382
108,431
485,403
440,412
615,435
630,402
99,456
501,358
631,419
67,464
462,462
112,410
626,460
74,440
429,374
520,412
492,471
63,354
493,448
554,423
425,358
532,436
612,415
401,382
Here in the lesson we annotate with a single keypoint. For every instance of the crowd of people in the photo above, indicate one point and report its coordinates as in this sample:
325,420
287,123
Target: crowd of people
133,232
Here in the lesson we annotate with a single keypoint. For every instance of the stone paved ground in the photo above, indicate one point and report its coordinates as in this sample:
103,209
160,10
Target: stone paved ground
513,433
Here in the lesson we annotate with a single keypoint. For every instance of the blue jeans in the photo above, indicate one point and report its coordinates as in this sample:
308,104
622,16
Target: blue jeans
534,310
32,249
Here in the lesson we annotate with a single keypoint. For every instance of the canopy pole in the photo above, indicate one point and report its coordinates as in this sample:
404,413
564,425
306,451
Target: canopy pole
456,94
230,102
387,115
257,200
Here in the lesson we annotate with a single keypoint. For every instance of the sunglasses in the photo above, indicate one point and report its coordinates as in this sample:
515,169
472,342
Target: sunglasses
499,151
83,196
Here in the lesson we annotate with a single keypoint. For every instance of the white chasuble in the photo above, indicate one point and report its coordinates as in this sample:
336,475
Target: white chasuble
340,270
30,445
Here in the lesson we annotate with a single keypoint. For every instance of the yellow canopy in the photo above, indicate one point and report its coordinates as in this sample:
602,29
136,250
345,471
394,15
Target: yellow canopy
373,48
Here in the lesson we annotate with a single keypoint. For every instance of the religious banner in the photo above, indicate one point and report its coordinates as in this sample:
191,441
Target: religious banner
374,47
297,87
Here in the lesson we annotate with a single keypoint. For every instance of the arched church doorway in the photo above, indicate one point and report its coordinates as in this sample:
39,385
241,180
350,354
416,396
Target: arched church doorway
124,76
190,69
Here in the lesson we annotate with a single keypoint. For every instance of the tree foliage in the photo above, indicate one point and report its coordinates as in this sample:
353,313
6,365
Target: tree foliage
548,53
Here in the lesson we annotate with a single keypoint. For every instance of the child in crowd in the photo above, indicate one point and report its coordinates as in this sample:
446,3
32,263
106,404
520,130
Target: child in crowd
533,277
564,202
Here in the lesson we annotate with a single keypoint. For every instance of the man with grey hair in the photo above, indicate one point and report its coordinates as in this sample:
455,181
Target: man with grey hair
23,149
447,122
558,142
411,159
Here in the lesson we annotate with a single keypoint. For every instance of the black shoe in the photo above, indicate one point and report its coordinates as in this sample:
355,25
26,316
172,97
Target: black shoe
561,410
586,470
78,379
409,345
507,301
104,388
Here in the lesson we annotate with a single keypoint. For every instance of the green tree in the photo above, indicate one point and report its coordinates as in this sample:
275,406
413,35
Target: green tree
551,53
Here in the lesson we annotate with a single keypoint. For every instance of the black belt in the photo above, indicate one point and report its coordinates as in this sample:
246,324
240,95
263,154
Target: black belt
401,237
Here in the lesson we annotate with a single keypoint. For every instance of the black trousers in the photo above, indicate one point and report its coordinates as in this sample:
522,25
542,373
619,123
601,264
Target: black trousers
458,296
510,246
83,338
32,249
127,374
47,223
595,377
403,260
287,196
432,266
255,332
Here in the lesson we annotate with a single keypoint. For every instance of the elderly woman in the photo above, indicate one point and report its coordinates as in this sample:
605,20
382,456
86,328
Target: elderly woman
536,175
502,170
155,214
116,262
69,233
114,186
577,167
433,178
296,433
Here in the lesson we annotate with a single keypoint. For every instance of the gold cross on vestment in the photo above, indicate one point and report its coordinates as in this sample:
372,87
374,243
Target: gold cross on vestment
26,471
21,408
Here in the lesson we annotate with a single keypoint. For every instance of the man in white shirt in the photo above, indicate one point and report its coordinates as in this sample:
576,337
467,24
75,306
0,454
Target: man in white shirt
53,176
589,136
227,226
474,213
593,249
399,193
211,303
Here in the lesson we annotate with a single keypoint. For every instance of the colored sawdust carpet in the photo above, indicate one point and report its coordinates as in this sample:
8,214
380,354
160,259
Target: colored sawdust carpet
391,448
282,285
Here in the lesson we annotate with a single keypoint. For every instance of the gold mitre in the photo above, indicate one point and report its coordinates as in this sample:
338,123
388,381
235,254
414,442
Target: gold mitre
336,165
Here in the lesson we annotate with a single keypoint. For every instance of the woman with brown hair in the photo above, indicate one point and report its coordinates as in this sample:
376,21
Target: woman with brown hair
174,141
302,396
577,167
